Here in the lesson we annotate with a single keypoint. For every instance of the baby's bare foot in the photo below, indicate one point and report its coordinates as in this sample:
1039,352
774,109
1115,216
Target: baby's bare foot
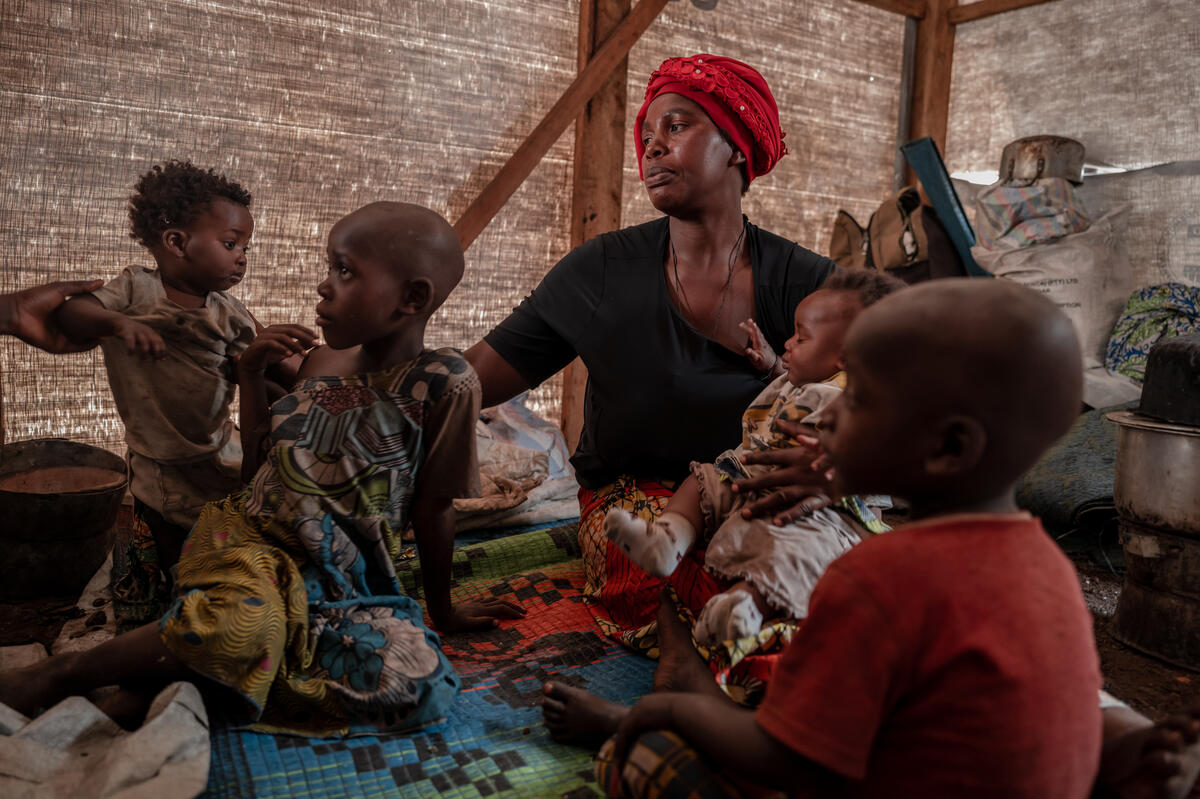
728,617
656,547
575,716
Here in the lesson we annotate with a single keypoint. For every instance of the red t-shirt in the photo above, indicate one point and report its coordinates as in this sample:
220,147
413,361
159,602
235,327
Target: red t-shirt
952,657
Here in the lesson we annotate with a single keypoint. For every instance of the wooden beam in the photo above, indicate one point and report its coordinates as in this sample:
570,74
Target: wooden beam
909,8
569,106
600,144
931,73
987,8
908,63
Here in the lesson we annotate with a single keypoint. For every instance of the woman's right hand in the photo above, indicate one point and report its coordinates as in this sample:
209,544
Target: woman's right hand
274,344
140,339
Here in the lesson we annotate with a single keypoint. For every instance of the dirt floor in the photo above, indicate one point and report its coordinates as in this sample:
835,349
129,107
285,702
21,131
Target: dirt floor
1149,685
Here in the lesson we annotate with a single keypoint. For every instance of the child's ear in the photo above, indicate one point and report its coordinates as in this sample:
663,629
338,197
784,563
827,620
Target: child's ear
958,447
174,240
416,296
737,158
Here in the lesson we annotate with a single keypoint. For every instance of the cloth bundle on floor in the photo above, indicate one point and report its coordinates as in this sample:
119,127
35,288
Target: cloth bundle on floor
73,749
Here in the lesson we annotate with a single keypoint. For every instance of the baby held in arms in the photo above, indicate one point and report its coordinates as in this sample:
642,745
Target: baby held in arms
775,566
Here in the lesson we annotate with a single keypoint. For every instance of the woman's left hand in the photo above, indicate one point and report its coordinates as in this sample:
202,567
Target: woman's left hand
800,483
758,351
480,614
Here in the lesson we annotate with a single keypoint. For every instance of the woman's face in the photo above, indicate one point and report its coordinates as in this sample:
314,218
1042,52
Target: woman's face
687,161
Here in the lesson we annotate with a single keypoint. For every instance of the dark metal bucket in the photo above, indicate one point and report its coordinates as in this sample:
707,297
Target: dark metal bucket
52,543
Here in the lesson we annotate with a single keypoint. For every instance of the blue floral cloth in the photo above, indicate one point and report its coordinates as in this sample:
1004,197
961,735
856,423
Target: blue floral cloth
1156,312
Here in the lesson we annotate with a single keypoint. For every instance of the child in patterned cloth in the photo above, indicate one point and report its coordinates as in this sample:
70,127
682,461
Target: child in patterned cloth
776,566
286,591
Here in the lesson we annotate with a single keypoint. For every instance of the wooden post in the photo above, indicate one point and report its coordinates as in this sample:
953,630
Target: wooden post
900,171
931,83
600,144
605,59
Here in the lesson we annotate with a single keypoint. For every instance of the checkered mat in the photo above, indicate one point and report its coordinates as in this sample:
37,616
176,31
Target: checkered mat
492,742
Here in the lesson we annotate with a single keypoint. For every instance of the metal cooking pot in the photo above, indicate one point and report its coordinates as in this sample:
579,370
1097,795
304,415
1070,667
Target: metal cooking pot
1026,160
1158,473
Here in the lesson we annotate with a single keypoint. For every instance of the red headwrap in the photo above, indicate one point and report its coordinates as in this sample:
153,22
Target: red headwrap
735,97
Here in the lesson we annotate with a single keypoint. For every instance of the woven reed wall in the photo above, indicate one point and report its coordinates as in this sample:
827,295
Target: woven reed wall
1122,77
318,111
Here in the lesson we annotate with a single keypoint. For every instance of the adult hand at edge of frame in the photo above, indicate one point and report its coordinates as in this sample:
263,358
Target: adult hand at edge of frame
26,314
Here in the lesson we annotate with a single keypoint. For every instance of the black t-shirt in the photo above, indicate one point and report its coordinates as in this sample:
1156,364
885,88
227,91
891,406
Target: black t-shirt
660,394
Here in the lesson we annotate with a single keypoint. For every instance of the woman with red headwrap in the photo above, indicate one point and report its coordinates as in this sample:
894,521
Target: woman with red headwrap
658,314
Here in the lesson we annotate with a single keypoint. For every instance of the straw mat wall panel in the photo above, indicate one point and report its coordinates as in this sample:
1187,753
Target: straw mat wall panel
318,111
315,111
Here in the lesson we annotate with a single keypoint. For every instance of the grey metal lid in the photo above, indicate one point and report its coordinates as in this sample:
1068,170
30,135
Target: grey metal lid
1139,421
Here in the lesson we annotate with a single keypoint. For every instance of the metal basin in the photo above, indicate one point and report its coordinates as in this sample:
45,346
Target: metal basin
58,507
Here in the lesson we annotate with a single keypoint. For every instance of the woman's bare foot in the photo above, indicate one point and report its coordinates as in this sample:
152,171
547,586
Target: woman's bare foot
575,716
680,667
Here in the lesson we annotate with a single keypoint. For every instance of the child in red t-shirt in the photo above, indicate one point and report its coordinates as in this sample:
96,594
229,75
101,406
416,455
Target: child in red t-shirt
953,656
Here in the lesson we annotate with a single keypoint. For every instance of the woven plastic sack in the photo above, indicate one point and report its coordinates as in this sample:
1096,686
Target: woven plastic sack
1087,275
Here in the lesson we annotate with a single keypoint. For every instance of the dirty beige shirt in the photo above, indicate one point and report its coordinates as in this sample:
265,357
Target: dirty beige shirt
175,409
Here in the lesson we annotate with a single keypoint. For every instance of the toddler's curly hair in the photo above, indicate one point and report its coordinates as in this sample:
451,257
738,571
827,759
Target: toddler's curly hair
173,194
871,285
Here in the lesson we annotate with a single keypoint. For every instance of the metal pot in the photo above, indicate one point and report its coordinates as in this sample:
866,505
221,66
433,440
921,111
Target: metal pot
1158,473
1026,160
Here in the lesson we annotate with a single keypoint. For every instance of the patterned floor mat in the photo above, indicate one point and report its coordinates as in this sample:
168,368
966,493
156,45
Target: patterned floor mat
492,743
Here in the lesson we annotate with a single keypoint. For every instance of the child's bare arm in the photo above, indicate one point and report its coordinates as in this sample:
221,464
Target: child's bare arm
433,523
272,345
83,318
728,738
